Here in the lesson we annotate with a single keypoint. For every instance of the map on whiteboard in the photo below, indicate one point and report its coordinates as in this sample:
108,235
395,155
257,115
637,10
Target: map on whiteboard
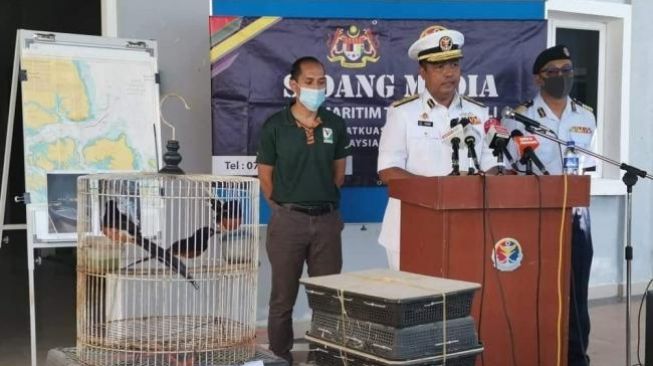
87,114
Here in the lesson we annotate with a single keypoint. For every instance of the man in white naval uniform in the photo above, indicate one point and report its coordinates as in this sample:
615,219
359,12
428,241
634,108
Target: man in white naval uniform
412,141
572,121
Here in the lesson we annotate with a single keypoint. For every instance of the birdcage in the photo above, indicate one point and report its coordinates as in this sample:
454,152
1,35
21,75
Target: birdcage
166,269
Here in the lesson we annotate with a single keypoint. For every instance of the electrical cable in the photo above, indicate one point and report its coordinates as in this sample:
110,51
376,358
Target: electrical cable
496,274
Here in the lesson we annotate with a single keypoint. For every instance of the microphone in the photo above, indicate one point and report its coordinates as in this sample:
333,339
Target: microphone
497,138
464,121
454,135
526,146
453,138
496,135
471,136
508,112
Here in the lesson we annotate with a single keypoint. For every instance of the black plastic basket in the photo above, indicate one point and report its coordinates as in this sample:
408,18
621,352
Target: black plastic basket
397,314
419,341
327,356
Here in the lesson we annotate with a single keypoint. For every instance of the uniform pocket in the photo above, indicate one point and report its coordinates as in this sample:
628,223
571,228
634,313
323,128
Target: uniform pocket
422,132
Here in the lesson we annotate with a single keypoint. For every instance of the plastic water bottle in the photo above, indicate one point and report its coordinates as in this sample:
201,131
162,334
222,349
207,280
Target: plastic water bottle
571,162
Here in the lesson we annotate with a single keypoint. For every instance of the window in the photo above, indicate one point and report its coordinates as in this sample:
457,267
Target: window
590,29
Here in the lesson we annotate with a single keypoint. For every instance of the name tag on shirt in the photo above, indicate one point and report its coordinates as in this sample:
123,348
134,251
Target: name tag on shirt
425,123
580,129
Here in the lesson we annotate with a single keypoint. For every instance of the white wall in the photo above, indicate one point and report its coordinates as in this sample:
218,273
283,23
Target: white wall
641,134
608,221
181,30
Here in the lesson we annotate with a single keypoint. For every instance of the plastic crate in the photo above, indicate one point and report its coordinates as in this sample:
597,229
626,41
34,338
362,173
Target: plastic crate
385,297
382,311
328,356
425,340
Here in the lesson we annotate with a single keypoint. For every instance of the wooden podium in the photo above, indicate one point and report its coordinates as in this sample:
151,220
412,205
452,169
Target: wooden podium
450,227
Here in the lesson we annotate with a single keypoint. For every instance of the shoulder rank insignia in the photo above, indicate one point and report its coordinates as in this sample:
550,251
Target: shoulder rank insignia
541,112
474,102
405,100
575,102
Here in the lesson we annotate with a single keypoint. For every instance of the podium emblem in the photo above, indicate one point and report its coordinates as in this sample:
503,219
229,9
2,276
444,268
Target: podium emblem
507,255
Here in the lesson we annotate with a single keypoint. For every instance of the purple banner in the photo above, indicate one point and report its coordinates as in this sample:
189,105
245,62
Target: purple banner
367,69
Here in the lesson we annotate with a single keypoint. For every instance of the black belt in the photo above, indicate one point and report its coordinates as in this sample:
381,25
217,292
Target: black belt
317,210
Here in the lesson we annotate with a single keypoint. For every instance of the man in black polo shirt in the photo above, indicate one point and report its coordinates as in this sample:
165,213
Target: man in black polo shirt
301,165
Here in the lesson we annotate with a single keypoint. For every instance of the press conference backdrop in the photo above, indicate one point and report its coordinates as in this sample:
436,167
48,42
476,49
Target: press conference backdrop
367,69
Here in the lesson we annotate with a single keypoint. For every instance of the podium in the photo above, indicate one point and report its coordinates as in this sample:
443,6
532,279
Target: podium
511,234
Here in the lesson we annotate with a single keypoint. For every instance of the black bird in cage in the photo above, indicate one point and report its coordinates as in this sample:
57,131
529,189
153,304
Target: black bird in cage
193,246
118,226
228,215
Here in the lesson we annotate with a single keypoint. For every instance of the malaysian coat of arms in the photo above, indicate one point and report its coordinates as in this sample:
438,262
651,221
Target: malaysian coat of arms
352,48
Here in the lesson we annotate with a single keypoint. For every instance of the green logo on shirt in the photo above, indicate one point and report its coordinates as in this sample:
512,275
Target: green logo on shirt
327,134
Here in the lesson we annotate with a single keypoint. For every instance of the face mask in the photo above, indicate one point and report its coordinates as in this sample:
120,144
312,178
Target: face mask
312,99
558,86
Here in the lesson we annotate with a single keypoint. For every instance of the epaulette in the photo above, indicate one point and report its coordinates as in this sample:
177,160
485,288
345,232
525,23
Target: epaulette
524,106
405,100
581,104
474,102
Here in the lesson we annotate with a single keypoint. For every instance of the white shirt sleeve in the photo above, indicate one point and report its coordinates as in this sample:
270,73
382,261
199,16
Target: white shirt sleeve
393,152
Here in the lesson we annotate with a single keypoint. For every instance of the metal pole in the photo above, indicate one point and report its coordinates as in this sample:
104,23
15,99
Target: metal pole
10,134
32,292
629,179
628,257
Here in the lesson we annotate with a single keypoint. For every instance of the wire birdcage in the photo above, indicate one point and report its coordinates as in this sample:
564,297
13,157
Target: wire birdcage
167,269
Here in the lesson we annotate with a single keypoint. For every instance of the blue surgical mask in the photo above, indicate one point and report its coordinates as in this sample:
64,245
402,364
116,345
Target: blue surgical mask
312,99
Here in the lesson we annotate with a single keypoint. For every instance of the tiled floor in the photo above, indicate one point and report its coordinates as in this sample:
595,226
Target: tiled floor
607,339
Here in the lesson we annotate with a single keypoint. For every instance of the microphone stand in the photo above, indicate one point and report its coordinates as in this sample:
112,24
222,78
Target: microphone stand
526,160
455,165
630,179
474,165
498,152
471,160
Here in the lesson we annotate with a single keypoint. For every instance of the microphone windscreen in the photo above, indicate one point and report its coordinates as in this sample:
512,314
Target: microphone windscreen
525,142
490,122
507,112
516,133
453,133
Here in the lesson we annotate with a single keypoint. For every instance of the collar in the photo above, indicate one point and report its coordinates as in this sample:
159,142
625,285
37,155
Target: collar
543,109
429,103
290,119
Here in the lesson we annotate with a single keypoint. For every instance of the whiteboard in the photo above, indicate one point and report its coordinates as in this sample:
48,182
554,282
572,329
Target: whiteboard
90,104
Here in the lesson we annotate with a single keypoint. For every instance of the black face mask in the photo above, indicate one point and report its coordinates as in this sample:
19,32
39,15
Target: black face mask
558,86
